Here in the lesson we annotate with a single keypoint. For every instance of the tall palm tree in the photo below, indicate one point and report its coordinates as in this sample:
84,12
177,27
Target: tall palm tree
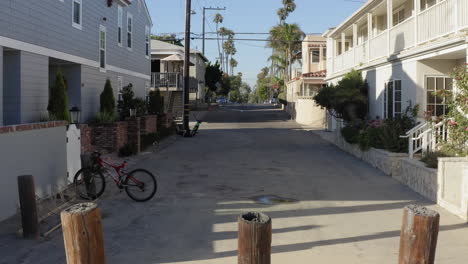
288,7
218,19
228,46
233,62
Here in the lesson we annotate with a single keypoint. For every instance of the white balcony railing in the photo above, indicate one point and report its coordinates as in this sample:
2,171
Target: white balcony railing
462,14
348,59
339,63
436,21
378,46
402,36
360,56
167,80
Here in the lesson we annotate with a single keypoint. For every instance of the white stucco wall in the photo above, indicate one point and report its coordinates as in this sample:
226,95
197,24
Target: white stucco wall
39,152
309,113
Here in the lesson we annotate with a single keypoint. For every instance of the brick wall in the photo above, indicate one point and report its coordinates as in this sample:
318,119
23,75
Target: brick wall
109,137
134,132
148,124
85,136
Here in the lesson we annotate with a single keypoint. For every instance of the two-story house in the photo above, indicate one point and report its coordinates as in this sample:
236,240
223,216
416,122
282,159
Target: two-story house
307,81
90,40
167,62
406,49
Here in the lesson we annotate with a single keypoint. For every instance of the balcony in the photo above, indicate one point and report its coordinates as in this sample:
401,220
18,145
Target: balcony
172,81
444,18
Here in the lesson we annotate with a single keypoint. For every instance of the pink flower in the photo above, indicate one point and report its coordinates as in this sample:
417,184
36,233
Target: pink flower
453,123
466,129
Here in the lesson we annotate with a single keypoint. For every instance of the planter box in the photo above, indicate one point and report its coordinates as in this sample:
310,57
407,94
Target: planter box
419,178
388,162
452,191
109,137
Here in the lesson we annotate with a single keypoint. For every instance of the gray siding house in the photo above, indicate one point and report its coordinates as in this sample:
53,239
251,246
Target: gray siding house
90,41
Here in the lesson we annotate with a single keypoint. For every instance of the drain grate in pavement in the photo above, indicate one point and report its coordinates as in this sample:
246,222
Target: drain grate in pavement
272,199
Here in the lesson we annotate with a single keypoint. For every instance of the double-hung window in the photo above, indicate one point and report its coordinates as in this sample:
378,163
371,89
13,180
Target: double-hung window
392,99
437,97
77,14
147,42
102,47
119,24
425,4
315,55
129,31
398,16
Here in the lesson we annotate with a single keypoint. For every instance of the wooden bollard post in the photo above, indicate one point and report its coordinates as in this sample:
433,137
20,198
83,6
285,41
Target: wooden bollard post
418,238
82,234
27,198
254,238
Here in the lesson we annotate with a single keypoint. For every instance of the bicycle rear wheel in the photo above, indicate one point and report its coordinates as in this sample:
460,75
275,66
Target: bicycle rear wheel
81,187
140,185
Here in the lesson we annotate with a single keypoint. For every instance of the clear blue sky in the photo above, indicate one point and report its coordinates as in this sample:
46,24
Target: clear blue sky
314,16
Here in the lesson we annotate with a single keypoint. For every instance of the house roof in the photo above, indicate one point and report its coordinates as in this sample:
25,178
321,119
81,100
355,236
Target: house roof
317,74
161,47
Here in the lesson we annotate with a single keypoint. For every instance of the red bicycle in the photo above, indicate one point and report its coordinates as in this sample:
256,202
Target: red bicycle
139,184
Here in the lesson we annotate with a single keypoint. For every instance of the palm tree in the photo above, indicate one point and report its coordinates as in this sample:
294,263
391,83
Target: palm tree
288,7
228,46
218,19
287,40
233,62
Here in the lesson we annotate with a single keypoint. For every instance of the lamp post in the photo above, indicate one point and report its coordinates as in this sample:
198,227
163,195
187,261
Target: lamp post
75,114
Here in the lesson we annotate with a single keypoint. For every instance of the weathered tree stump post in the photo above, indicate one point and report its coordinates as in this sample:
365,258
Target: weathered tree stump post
254,238
82,234
87,163
27,198
418,238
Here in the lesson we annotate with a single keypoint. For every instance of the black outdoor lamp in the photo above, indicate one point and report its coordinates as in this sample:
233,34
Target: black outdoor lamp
75,114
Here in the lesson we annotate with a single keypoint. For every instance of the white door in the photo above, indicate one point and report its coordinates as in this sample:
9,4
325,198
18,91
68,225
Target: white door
73,151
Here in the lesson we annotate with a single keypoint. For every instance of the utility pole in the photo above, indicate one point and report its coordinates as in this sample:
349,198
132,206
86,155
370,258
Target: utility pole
188,13
204,22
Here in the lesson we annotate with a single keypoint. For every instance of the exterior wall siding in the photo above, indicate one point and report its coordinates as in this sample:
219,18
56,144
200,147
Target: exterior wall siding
34,86
48,23
1,85
93,82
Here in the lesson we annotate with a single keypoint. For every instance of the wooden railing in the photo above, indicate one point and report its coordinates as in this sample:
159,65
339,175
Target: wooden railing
167,80
360,55
426,137
402,36
437,21
378,46
462,7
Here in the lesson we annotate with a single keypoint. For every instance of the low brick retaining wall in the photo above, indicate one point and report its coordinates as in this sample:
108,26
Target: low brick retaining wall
149,124
109,137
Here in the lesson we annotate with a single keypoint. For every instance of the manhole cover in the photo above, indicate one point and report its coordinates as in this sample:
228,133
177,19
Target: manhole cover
272,199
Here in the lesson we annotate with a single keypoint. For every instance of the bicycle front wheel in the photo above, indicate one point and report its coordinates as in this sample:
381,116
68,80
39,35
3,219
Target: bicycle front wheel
85,190
140,185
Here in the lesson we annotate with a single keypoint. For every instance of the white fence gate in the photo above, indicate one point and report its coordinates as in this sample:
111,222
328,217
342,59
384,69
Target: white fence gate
73,151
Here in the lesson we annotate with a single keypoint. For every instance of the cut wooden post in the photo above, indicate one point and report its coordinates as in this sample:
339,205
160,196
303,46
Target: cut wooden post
82,234
418,238
27,198
87,164
254,238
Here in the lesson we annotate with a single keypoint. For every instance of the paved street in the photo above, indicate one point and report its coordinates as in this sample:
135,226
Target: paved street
348,212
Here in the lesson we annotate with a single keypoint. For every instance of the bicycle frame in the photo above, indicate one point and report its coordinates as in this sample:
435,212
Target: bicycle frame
118,170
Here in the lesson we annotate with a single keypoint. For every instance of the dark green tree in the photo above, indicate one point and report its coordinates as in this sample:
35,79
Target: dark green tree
155,106
213,75
58,100
107,99
127,101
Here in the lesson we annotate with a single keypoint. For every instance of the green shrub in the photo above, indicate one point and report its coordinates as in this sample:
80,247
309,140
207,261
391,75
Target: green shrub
351,133
105,118
107,99
155,103
127,150
431,158
58,100
140,106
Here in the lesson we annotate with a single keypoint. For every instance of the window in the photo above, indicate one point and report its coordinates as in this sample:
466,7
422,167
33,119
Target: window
76,14
119,87
315,55
129,30
147,42
102,47
398,16
119,24
425,4
324,54
392,99
437,105
362,34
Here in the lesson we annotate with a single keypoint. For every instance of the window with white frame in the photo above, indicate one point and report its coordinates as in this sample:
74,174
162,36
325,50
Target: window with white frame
392,99
425,4
398,16
77,14
129,31
437,101
119,24
315,55
147,42
102,47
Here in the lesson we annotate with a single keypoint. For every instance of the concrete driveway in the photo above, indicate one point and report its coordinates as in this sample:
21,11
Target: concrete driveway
348,212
